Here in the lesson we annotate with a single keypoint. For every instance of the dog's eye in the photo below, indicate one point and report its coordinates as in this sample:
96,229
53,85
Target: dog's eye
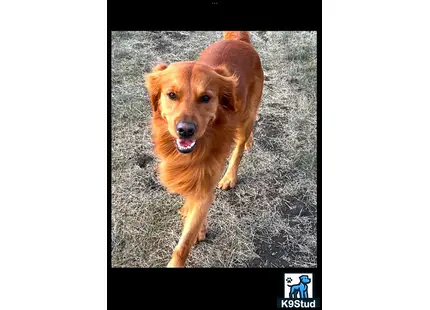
172,95
205,99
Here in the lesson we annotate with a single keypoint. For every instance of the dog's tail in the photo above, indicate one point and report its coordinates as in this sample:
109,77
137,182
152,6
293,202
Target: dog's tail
237,35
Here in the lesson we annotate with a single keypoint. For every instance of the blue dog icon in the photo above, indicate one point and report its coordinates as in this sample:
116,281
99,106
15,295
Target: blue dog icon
301,288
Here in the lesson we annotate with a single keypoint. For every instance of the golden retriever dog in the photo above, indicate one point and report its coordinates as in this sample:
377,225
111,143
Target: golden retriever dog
203,111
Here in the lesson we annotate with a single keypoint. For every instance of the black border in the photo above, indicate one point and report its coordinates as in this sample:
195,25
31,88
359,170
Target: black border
237,288
203,15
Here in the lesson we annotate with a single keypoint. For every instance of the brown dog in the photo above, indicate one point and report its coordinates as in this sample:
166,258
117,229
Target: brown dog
201,109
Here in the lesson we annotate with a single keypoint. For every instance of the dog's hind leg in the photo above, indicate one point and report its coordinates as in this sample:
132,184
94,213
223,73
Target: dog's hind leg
244,138
249,142
255,104
183,211
229,179
195,226
293,293
203,230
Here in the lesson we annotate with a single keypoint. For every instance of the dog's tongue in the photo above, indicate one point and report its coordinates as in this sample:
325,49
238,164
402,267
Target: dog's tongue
185,142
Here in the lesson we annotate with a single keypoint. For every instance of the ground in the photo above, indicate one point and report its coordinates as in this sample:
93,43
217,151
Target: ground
269,219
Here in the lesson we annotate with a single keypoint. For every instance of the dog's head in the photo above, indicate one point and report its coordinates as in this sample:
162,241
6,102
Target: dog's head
304,279
188,96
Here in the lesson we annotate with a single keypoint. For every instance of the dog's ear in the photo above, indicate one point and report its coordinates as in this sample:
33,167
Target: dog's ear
153,84
159,67
229,83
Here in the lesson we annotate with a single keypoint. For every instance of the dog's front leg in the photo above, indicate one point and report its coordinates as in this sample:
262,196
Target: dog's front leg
302,291
194,227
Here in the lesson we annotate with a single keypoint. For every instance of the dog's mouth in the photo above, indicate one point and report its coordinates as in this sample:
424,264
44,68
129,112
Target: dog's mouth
185,145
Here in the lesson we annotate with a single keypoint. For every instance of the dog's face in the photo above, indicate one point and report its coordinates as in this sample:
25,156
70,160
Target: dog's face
187,96
304,279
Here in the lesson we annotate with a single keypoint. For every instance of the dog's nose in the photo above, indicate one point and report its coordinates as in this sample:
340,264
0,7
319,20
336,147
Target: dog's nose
185,129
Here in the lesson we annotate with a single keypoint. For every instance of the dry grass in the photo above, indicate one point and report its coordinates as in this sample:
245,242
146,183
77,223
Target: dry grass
269,219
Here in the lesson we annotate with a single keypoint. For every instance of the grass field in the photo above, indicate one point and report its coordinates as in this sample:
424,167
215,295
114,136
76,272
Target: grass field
269,219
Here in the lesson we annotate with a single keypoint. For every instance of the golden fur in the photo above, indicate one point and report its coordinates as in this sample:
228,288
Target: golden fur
229,72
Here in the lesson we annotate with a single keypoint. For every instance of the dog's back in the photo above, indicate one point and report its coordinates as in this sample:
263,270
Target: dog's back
236,52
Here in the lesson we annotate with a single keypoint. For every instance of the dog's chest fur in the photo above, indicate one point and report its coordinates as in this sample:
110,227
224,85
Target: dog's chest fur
195,173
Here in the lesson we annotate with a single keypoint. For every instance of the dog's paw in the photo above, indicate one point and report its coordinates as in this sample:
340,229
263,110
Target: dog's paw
183,211
199,238
174,264
249,143
227,182
176,261
202,233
